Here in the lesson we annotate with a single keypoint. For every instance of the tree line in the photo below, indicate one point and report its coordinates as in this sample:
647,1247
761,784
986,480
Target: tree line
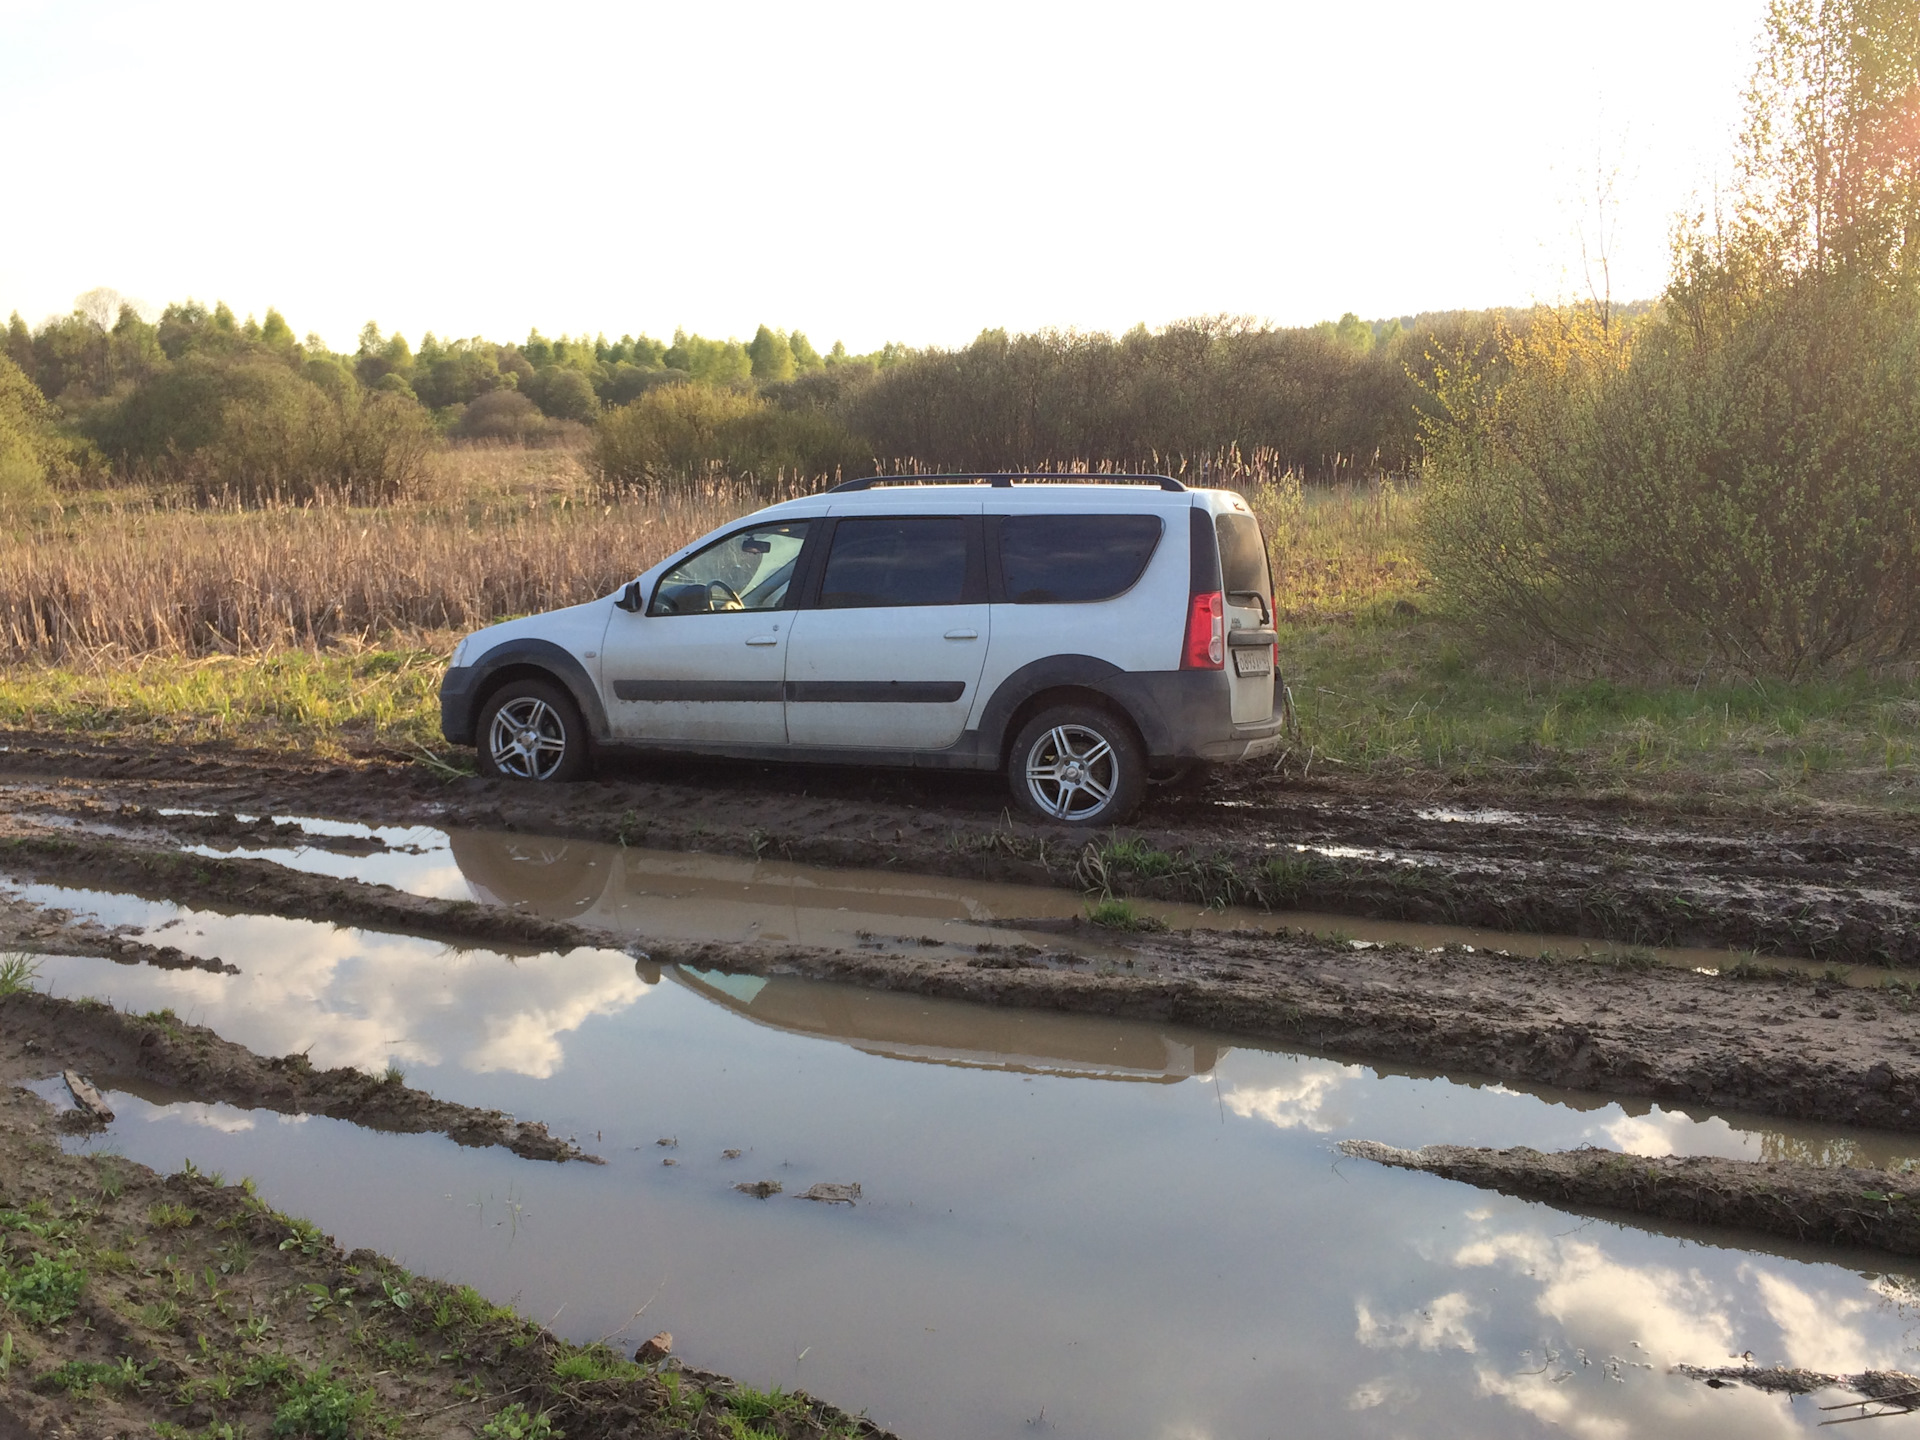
213,405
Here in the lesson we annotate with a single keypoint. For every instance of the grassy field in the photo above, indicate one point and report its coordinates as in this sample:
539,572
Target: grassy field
324,628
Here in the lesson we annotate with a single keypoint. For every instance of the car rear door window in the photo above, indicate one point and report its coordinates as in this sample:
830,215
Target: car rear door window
1069,559
905,561
1243,557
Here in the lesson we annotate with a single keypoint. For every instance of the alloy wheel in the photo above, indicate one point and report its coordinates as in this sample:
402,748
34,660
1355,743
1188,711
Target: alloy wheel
528,739
1072,771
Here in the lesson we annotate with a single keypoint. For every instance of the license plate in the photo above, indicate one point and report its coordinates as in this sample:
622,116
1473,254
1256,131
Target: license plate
1253,662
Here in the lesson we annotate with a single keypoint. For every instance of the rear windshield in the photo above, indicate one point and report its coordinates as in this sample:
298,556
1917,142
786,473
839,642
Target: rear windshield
1070,559
1243,557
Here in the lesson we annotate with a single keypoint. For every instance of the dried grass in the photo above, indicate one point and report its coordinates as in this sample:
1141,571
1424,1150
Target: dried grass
501,530
503,534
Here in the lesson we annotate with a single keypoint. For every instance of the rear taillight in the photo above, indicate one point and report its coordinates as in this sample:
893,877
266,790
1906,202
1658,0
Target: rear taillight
1273,619
1206,633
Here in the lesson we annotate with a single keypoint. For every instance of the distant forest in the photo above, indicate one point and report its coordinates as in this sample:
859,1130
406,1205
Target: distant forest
243,407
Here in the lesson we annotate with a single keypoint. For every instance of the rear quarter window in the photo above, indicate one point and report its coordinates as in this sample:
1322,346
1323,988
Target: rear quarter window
1243,556
1072,559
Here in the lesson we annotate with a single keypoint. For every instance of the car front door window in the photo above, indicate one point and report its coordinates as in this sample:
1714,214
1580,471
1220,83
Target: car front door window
751,570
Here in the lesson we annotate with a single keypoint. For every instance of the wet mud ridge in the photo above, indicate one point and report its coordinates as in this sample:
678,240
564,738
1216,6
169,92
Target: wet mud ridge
1838,1204
1831,886
187,1305
163,1051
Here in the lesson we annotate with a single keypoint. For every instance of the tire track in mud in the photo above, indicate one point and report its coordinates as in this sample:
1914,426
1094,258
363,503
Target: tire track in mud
1842,888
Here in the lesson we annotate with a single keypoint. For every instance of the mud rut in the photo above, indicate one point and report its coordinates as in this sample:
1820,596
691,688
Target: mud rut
1827,886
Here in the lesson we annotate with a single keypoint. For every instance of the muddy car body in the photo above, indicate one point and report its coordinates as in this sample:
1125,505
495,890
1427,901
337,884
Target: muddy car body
1080,636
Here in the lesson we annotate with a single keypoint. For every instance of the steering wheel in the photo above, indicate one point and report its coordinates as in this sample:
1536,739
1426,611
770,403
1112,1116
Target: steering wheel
734,602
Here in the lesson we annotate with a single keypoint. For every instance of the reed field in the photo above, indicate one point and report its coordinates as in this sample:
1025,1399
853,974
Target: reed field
325,626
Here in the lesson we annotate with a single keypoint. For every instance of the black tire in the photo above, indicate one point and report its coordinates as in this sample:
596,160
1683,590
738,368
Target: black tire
1078,765
541,735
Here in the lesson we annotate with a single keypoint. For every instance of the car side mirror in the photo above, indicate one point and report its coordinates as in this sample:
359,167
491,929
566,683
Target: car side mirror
630,599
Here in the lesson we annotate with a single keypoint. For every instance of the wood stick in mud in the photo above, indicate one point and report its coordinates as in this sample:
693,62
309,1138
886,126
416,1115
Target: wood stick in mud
87,1098
1833,1204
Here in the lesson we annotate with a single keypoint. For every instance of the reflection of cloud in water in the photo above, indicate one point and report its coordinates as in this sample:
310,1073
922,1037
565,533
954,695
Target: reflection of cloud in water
1296,1102
1608,1305
1661,1132
1676,1315
1813,1329
223,1118
1441,1324
353,997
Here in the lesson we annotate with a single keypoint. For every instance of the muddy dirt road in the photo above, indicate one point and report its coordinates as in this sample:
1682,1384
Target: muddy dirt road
1833,886
1764,1040
616,884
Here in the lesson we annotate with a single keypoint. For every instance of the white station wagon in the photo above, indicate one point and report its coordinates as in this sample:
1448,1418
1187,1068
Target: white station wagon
1078,634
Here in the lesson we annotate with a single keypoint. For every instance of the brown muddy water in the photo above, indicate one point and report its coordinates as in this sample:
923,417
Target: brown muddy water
1067,1226
674,895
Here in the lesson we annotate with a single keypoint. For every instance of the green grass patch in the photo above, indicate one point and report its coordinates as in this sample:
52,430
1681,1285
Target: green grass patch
1384,694
329,703
17,973
1122,915
594,1363
83,1377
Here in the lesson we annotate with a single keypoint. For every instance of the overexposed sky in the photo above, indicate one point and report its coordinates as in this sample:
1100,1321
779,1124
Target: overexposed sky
865,172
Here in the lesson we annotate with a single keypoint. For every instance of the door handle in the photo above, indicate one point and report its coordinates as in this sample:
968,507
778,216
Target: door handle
763,640
963,634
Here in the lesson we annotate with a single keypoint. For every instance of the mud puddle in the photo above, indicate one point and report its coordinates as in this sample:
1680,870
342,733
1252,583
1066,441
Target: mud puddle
1066,1224
681,896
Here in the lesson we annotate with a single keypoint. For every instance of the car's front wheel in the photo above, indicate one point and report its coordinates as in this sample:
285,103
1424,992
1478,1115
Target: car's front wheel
531,730
1078,764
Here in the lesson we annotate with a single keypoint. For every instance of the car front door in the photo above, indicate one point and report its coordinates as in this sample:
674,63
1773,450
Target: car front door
706,660
887,652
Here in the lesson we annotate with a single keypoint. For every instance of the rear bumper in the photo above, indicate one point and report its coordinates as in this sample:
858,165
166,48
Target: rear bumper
1249,742
457,693
1187,715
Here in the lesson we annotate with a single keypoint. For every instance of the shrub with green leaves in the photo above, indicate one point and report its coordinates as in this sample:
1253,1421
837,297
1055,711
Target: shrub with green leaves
45,1290
515,1423
318,1408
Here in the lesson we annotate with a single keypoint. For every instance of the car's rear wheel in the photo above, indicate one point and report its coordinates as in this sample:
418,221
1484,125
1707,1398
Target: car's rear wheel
1078,764
531,730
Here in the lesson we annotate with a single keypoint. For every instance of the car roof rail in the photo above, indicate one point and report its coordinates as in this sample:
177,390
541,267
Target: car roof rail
1004,478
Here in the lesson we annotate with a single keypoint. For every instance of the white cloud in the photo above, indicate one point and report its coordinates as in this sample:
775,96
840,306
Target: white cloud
1441,1324
1294,1103
1814,1332
225,1119
364,999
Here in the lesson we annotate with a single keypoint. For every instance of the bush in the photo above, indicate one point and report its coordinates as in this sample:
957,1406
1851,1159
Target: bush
1737,492
563,394
678,432
255,429
499,415
27,444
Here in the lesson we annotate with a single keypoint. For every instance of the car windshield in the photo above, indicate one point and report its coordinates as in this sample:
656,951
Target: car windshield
749,570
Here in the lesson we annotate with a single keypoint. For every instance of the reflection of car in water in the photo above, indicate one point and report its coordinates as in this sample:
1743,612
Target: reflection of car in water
555,878
952,1032
579,880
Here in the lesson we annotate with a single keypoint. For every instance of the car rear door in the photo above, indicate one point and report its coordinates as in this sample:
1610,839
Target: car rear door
886,651
1248,582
